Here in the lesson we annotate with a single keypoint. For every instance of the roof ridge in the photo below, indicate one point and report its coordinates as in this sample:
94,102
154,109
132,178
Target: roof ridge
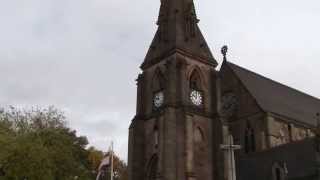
274,81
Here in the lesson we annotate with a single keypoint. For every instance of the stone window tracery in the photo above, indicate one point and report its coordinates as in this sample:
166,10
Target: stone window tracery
195,81
250,140
158,81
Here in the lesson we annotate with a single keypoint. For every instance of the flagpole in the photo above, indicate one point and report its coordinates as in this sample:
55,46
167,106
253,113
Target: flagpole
111,171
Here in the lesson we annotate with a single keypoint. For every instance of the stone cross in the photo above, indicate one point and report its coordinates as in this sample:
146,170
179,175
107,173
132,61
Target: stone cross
229,148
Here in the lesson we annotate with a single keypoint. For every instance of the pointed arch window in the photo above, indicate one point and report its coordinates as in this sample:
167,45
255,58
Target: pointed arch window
250,140
156,137
158,84
158,81
246,142
195,81
279,171
152,168
196,94
278,174
290,132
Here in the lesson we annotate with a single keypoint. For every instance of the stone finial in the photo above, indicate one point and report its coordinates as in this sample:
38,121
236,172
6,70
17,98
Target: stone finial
224,51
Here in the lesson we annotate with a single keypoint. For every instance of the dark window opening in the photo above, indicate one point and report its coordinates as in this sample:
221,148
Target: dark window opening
246,142
253,141
278,174
250,140
156,137
290,132
193,85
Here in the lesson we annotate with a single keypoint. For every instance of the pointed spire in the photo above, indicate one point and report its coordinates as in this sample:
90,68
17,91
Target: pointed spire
178,31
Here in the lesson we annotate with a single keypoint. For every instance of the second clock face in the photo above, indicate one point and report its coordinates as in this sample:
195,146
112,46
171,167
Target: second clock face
196,97
158,99
229,104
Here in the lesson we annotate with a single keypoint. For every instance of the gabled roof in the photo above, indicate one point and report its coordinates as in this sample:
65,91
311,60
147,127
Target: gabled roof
278,98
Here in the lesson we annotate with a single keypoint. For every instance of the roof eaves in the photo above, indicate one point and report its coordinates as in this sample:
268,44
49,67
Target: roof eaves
286,118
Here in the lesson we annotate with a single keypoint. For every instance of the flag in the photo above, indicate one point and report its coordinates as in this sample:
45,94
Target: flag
106,162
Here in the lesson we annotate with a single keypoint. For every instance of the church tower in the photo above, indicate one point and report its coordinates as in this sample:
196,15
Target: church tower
170,138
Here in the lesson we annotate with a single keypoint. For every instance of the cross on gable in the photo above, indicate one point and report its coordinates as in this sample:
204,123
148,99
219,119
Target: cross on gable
231,147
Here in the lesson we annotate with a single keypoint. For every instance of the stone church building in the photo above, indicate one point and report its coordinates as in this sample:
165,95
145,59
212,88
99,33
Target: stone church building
192,118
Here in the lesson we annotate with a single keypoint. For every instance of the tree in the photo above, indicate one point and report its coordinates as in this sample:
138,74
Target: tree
36,144
94,157
120,169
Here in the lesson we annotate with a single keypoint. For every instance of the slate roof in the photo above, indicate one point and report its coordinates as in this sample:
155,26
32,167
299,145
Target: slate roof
300,159
278,98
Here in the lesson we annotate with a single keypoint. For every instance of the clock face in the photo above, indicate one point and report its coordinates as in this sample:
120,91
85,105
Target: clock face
229,104
158,99
196,97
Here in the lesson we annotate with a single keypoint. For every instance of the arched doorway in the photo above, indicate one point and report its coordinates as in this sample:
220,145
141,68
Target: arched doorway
152,168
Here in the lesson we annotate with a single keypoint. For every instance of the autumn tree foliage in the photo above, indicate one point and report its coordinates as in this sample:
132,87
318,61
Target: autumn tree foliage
119,166
37,144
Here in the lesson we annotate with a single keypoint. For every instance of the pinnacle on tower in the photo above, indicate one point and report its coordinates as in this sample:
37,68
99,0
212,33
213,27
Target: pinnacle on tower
178,31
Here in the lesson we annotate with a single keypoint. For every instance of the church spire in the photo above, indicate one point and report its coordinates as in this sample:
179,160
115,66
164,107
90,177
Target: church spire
178,31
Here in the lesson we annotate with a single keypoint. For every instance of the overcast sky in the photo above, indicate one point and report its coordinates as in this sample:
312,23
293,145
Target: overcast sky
83,56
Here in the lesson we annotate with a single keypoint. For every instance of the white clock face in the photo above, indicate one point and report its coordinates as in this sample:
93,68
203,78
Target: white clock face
196,97
158,99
